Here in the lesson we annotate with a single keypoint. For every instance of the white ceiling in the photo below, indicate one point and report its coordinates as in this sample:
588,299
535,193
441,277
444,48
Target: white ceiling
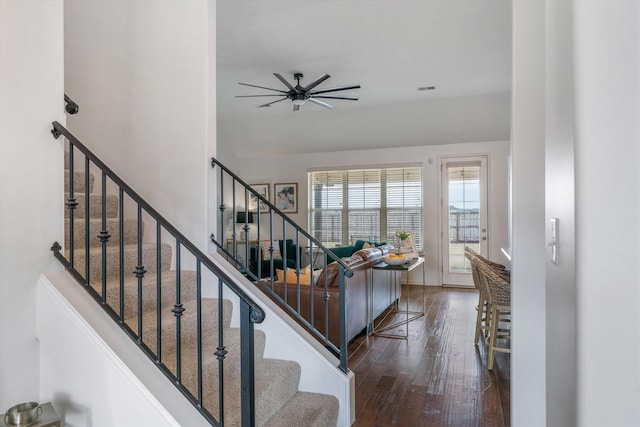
389,47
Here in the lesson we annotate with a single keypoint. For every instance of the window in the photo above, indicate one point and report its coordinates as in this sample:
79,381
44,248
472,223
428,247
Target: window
365,204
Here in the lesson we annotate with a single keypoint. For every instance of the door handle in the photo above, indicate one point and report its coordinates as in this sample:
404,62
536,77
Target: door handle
484,237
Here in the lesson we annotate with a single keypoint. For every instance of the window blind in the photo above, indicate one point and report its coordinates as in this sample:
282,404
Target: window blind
365,204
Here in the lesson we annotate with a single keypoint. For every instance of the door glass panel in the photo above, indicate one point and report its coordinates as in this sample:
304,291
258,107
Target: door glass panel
464,215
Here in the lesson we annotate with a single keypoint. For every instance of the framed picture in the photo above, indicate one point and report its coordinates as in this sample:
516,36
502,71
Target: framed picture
407,244
263,190
286,197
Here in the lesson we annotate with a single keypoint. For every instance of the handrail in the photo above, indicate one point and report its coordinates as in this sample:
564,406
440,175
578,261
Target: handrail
257,315
302,309
71,107
317,244
250,311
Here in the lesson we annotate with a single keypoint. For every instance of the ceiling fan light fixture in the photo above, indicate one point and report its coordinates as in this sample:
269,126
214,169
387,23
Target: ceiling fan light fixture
298,101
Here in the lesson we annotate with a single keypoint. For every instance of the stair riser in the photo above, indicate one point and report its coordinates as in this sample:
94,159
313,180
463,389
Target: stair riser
95,206
149,261
130,232
78,181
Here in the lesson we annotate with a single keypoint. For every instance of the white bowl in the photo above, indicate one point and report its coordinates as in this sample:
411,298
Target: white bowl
398,260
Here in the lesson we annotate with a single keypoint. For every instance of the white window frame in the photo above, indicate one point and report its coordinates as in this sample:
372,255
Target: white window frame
340,176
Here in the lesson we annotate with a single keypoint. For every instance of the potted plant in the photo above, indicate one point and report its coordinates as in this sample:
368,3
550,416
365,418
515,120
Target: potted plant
402,235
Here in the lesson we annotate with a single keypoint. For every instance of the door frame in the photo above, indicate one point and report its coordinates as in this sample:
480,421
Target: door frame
443,226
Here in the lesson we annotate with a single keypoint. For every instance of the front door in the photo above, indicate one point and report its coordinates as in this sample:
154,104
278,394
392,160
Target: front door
464,213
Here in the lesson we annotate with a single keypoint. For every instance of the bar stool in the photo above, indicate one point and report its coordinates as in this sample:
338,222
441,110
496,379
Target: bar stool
499,294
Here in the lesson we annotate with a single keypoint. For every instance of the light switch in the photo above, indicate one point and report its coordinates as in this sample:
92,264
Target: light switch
555,224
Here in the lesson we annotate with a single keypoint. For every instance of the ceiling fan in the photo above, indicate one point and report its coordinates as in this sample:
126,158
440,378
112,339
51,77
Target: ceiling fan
299,95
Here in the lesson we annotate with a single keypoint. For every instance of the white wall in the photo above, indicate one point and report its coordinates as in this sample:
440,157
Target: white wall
31,173
591,107
528,369
607,54
140,72
87,365
293,168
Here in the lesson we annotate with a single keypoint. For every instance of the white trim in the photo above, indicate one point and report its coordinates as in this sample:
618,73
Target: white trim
365,167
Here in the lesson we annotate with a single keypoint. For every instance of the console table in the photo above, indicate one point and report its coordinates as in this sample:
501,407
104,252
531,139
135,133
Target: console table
377,328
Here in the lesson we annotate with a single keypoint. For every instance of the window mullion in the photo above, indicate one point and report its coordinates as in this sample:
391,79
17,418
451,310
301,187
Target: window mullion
345,208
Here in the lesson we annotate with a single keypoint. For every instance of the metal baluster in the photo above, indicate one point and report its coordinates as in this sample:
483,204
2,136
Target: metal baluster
247,368
71,205
121,249
103,236
283,254
158,292
297,248
178,309
87,197
199,326
139,272
220,353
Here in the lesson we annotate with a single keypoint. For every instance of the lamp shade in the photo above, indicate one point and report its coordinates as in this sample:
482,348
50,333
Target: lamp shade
241,218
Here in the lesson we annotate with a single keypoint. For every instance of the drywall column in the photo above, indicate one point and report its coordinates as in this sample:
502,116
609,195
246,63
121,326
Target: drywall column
139,71
560,281
607,98
528,405
31,175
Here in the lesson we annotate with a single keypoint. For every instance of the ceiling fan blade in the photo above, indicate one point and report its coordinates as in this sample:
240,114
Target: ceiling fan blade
335,89
335,97
316,82
253,96
283,80
296,107
273,102
262,87
323,104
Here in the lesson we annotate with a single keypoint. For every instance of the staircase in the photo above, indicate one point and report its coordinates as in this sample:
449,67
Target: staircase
161,307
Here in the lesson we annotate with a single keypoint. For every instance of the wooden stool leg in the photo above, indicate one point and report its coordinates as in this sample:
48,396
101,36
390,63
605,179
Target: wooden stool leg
482,311
495,317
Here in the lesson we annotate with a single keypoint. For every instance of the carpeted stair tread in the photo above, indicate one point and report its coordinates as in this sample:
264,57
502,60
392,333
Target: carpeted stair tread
149,291
130,252
78,181
307,409
276,381
130,231
210,364
95,205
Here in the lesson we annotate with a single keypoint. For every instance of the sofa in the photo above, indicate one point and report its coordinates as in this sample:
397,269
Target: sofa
347,251
285,253
356,296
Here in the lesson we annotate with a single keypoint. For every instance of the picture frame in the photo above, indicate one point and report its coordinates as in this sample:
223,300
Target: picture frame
407,246
263,190
286,197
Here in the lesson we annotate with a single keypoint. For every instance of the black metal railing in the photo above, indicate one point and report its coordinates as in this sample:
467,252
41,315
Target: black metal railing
264,243
143,280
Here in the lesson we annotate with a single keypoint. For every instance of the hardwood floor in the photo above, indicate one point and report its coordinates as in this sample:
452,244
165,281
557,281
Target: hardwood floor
436,377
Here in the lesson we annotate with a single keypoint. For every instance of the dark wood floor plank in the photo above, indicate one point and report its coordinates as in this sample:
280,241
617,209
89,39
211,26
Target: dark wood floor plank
437,376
